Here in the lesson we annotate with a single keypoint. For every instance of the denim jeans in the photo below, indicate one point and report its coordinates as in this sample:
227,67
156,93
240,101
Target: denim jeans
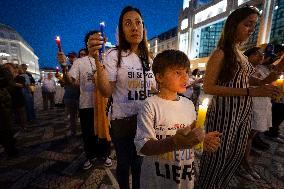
127,158
29,103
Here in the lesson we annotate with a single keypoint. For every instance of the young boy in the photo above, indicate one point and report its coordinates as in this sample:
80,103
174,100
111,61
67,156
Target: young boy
166,132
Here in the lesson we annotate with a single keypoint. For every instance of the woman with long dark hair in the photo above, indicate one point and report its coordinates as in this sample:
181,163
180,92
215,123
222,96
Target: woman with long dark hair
230,111
126,76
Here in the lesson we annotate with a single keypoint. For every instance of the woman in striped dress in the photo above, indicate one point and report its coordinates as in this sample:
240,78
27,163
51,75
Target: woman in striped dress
227,75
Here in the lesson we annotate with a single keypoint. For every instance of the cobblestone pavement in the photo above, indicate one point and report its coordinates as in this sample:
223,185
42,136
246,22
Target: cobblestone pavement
49,158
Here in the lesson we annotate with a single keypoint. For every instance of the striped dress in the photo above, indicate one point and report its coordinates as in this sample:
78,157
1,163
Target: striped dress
230,115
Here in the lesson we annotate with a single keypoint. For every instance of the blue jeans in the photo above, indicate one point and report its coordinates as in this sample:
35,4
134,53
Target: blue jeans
127,158
29,103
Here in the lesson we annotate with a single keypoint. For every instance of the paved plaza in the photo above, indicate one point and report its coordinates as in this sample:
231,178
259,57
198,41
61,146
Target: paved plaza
49,158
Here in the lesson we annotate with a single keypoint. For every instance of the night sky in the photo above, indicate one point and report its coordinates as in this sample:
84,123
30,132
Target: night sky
39,21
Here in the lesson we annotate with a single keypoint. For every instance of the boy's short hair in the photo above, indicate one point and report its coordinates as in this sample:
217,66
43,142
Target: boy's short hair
170,59
87,36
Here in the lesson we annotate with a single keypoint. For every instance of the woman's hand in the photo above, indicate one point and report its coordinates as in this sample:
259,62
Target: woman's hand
61,58
211,141
95,43
264,91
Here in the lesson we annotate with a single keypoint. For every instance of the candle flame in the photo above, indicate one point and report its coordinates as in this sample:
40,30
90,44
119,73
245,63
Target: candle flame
205,102
57,67
281,77
57,38
102,24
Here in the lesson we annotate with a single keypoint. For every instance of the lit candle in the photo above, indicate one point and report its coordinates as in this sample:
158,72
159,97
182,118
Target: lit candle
57,69
102,50
201,115
280,84
58,43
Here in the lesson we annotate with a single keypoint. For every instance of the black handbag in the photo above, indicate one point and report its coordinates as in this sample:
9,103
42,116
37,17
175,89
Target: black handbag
123,128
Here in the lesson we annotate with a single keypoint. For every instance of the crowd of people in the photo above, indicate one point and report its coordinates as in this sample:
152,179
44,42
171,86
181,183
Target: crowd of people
17,102
147,107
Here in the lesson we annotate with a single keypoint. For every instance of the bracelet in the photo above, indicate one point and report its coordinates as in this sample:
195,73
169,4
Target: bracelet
247,91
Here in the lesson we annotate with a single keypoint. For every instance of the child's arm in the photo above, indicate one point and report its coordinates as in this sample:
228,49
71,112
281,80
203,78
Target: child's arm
184,138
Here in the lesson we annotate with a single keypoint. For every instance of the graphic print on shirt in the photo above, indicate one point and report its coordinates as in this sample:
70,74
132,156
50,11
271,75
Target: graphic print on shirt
88,86
176,165
135,84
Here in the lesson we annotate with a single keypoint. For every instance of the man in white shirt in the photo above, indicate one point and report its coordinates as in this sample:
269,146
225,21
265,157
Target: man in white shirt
48,91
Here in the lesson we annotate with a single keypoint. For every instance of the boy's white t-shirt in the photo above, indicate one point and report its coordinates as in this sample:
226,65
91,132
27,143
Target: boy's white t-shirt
158,119
128,94
83,70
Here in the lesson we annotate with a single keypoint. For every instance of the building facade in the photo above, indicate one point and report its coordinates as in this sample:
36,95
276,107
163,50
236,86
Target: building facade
164,41
201,23
14,49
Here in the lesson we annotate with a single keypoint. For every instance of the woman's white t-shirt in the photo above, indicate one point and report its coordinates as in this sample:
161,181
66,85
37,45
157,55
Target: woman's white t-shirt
158,119
128,94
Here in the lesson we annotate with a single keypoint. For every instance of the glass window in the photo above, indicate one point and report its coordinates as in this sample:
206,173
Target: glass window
209,38
277,27
210,12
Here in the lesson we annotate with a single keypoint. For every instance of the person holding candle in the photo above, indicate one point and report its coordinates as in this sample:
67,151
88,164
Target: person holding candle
262,114
126,76
230,109
82,73
166,129
278,103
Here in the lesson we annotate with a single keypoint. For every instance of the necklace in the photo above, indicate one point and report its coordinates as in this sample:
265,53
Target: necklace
92,67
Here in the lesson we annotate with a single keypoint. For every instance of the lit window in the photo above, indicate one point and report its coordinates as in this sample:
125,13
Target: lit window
210,12
185,4
184,24
242,2
183,44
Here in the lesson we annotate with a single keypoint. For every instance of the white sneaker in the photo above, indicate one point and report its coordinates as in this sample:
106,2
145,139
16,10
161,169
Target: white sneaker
108,162
87,165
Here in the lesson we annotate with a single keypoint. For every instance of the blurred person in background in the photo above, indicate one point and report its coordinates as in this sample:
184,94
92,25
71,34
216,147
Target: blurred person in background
71,96
28,91
277,104
7,140
48,91
82,53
